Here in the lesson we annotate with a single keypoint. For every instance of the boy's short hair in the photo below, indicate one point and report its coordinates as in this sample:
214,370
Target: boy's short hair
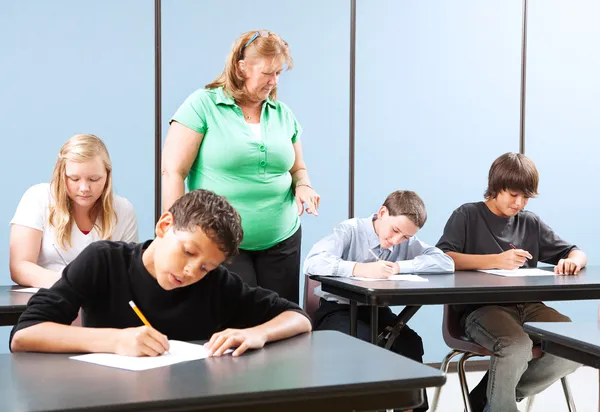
213,214
512,171
407,203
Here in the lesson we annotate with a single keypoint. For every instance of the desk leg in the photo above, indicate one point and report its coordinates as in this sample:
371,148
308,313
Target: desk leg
374,323
407,313
353,315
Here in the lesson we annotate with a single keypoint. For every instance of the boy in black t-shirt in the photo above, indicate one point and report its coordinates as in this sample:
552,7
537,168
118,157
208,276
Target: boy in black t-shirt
177,282
499,234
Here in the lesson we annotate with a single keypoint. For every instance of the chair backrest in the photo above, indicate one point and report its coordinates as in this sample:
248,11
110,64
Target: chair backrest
311,301
454,335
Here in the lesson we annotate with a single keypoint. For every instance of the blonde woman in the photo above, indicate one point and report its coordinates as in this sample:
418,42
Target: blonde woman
55,221
235,138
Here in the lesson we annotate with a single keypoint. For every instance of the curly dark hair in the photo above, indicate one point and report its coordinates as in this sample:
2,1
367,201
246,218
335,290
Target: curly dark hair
213,214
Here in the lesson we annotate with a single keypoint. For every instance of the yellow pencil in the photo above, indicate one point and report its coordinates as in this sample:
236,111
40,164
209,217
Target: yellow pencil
141,316
139,313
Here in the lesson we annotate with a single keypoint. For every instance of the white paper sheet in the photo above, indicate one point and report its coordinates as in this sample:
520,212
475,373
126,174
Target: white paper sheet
26,290
408,278
519,272
178,352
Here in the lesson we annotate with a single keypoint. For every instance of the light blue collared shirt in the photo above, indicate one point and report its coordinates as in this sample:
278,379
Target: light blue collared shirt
350,242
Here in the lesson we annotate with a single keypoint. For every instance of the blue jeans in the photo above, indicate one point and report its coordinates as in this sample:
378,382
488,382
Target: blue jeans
513,373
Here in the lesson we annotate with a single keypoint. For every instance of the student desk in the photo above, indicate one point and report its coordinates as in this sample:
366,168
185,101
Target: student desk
12,304
461,287
320,371
579,342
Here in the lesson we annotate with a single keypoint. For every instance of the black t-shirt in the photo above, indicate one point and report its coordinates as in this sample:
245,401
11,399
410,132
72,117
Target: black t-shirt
474,230
107,275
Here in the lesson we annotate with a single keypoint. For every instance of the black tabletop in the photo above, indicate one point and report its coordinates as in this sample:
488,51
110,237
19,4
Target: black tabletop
12,304
467,287
320,371
579,342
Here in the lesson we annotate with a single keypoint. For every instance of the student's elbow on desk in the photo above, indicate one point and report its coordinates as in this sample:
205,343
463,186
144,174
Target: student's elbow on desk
20,341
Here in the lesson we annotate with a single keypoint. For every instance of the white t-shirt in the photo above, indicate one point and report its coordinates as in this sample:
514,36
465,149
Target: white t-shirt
33,212
256,131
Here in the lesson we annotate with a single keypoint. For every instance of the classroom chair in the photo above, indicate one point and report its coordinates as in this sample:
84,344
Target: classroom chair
459,344
311,301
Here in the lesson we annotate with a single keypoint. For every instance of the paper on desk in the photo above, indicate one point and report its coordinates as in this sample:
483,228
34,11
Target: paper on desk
519,272
26,290
409,278
178,352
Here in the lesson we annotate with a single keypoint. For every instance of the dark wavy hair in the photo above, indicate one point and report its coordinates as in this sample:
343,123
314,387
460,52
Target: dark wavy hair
512,171
213,214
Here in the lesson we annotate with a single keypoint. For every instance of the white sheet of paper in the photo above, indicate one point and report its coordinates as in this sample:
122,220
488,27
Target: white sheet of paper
178,352
26,290
408,278
519,272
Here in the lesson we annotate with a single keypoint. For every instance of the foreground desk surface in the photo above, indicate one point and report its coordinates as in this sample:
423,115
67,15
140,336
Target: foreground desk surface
467,287
579,342
320,371
12,304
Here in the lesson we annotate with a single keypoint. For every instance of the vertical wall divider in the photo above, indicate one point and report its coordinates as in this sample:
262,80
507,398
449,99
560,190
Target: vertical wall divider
352,108
157,109
523,80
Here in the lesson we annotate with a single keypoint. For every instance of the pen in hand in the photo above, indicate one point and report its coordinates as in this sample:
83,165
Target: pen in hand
374,255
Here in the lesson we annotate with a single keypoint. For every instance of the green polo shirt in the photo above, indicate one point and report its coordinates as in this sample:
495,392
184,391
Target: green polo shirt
252,174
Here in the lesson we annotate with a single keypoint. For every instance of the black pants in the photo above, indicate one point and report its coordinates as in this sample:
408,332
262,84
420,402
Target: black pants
276,268
332,316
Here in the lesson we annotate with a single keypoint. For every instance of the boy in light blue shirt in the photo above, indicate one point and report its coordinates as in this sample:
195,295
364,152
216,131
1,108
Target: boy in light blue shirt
376,247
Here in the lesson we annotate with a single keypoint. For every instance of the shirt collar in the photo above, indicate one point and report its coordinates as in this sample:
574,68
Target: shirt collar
223,98
366,226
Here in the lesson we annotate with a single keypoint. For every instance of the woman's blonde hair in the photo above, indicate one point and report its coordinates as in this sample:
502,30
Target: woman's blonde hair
269,46
81,148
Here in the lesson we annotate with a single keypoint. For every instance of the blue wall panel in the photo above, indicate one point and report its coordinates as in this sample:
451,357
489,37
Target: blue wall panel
563,125
437,92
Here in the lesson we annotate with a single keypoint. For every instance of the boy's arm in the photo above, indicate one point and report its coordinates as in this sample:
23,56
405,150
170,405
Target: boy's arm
59,338
45,324
463,261
575,261
254,315
567,257
453,243
422,258
325,257
284,325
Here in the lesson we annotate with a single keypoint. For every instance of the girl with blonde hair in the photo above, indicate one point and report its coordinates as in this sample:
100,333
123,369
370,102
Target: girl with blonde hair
235,138
55,221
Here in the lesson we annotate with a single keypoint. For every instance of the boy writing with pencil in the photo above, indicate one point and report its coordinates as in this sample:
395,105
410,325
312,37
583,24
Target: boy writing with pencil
499,234
375,247
175,280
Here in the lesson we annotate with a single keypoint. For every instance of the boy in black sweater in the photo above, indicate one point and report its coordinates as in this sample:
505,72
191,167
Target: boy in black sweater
177,282
499,234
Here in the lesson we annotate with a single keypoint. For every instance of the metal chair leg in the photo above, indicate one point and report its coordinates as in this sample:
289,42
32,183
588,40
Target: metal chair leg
443,368
568,395
462,378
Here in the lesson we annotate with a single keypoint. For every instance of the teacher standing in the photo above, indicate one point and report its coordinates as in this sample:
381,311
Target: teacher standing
235,138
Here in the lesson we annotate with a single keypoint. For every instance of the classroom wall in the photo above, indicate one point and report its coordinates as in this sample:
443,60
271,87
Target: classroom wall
437,99
562,125
437,91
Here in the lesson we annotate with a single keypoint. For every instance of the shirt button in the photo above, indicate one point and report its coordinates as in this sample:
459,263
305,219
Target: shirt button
263,163
261,147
